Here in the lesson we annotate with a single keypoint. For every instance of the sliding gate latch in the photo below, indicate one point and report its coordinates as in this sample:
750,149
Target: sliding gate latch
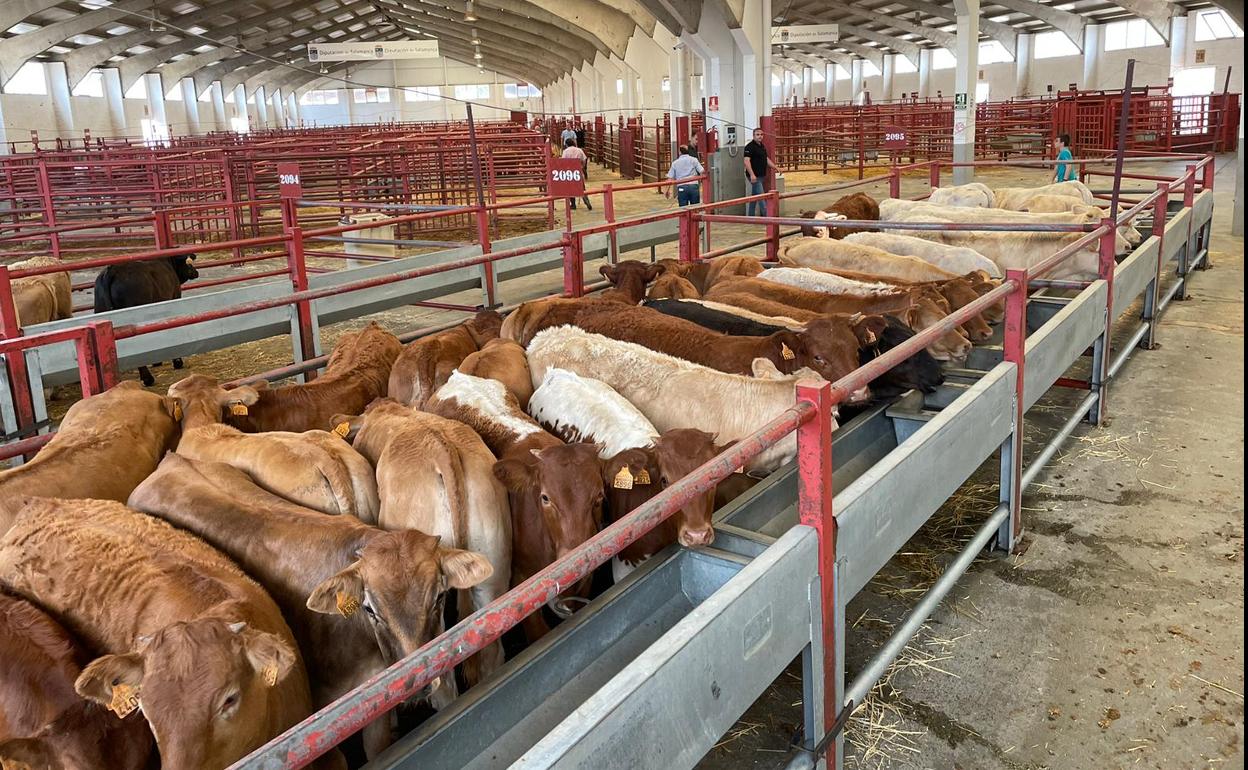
804,760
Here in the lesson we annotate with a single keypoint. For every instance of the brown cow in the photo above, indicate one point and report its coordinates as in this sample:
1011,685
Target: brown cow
555,489
437,476
357,598
105,446
673,286
357,373
704,275
819,302
858,207
425,364
828,346
315,468
628,279
43,722
183,630
41,298
531,317
503,360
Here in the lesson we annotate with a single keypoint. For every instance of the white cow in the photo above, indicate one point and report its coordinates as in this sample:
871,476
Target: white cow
673,393
577,408
828,283
828,254
1015,198
955,259
973,195
1018,250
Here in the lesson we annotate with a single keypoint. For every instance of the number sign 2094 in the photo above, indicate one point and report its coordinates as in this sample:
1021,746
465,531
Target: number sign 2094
288,179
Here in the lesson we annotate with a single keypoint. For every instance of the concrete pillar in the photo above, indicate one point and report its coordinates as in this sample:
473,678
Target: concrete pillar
262,107
1093,43
1178,44
678,67
277,106
965,76
1022,64
156,101
829,82
58,92
110,80
1237,217
855,80
886,85
190,101
218,106
4,146
925,73
808,81
736,62
292,109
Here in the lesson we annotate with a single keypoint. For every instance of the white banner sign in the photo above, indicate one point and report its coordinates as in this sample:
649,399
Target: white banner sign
806,33
391,49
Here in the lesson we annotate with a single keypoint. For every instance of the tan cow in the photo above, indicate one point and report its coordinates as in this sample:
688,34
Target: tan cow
703,275
42,298
357,373
182,631
953,259
425,364
357,598
828,254
502,360
315,468
894,210
1015,198
672,393
555,489
628,279
105,446
43,722
437,476
971,195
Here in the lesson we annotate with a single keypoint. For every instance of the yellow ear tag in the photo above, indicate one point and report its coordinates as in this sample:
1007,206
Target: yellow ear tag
125,699
177,411
342,429
786,352
269,674
642,478
623,479
347,604
238,409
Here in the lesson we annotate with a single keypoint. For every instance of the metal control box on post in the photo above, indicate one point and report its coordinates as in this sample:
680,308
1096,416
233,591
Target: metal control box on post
727,177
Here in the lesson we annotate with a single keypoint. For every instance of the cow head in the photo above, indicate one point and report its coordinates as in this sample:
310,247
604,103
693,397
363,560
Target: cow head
822,216
829,346
958,292
919,372
397,586
950,346
202,399
184,268
371,348
630,271
205,687
678,453
672,286
565,484
484,326
982,283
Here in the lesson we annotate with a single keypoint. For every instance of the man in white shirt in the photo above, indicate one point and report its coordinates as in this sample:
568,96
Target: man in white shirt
570,150
686,166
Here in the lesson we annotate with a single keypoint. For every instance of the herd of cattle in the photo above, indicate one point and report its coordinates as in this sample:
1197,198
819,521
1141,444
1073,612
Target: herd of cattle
223,560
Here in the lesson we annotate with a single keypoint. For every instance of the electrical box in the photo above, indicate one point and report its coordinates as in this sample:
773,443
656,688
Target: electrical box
727,177
730,136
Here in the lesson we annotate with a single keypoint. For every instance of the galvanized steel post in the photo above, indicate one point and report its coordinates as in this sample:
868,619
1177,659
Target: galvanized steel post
1152,294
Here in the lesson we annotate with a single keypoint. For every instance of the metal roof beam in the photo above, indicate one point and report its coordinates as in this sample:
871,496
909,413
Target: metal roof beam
1156,12
999,31
604,22
904,47
1071,24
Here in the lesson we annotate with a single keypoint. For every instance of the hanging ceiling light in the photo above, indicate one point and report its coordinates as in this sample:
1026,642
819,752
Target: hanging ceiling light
476,39
324,70
156,25
469,11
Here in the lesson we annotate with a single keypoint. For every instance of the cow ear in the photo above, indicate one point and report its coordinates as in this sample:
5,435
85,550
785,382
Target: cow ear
869,328
173,408
654,271
341,594
635,460
346,426
97,680
269,655
788,345
243,394
608,272
464,569
515,475
764,369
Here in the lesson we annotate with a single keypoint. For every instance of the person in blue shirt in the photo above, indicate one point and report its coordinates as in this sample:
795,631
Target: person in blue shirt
1064,172
686,166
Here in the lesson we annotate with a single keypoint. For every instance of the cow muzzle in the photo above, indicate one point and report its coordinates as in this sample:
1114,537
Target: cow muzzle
696,538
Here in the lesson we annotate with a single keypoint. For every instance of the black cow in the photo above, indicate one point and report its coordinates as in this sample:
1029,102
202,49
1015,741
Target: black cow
919,372
130,284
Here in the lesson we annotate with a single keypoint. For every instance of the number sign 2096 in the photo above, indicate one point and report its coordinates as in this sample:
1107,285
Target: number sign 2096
566,174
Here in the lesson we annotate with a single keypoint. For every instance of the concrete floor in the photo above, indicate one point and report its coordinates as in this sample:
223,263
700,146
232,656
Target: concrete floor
1115,639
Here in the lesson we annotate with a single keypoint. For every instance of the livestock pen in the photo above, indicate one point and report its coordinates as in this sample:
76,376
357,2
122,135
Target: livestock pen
702,633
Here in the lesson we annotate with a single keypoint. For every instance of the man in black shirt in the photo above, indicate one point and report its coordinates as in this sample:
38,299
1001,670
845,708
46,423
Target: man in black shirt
756,165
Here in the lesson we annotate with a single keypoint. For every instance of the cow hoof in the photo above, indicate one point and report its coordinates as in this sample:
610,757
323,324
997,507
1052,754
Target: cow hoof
177,363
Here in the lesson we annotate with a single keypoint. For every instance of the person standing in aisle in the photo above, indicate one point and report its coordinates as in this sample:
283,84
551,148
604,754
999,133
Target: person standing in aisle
1064,172
686,166
570,150
567,133
756,165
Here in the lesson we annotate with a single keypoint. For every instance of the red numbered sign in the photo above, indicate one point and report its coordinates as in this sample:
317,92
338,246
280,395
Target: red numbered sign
288,182
567,178
896,138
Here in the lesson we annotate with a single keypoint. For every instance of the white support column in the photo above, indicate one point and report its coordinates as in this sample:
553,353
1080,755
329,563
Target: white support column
1093,42
678,64
808,82
886,85
262,106
925,73
829,82
292,109
965,77
156,103
1178,44
190,102
1237,220
855,80
278,105
4,147
736,64
110,80
240,105
1022,64
218,106
58,90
